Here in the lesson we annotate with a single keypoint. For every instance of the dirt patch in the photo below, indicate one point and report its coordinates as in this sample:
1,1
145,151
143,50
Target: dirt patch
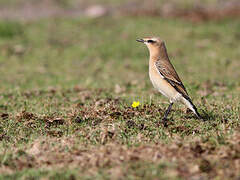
95,133
193,158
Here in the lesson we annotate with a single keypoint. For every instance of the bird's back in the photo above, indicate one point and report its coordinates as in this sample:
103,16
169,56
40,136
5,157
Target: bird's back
166,69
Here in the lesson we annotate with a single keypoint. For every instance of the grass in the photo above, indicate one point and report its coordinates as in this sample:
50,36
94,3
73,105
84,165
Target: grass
66,89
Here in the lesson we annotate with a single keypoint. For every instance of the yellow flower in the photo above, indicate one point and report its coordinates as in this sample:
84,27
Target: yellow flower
135,104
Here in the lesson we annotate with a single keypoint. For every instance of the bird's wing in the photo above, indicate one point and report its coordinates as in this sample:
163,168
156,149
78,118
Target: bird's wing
168,72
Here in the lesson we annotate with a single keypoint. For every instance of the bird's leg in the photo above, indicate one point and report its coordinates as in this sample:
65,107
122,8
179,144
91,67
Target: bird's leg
166,113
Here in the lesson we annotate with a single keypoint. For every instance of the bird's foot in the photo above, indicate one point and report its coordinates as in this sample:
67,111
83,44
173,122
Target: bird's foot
164,121
202,118
199,117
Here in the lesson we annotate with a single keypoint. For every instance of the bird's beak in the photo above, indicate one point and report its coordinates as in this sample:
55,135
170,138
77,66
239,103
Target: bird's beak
140,40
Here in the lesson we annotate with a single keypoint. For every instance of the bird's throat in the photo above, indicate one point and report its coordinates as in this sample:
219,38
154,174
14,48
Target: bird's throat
158,53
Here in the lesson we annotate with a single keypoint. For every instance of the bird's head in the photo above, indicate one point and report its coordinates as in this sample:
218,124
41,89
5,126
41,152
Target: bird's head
155,45
151,41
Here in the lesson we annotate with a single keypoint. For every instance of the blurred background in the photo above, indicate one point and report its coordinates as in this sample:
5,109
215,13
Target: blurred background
188,9
63,43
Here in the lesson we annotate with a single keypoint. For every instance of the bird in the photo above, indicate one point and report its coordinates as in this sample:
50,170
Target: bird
164,77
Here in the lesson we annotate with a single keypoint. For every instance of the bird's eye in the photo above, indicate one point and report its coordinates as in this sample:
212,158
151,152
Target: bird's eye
150,41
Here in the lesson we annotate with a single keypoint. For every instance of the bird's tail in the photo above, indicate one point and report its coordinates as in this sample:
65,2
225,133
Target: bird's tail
188,102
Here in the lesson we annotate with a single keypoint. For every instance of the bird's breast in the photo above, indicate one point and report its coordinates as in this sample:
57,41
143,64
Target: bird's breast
161,84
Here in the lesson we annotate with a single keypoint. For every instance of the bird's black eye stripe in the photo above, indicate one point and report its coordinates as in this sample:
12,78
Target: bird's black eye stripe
150,41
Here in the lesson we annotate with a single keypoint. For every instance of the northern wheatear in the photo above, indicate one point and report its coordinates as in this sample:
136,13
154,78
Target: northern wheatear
164,77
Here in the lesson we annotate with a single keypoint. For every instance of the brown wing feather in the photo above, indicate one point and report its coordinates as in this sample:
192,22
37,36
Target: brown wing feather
166,69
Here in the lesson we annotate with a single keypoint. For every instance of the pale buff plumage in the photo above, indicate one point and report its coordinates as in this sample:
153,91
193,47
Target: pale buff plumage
163,75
